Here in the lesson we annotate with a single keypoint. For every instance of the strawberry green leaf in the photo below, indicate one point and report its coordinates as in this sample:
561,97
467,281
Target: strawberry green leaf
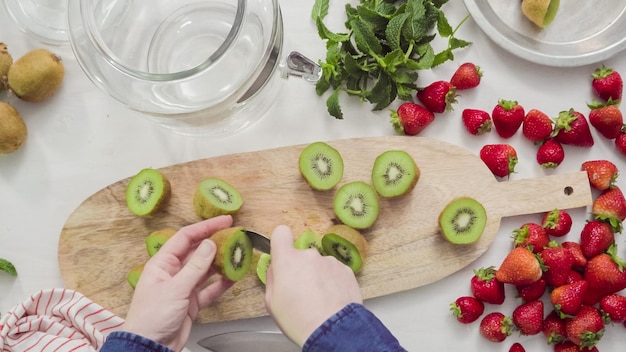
7,267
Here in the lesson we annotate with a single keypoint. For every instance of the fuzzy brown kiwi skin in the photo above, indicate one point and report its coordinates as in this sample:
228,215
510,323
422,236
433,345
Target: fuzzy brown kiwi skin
6,60
352,235
220,238
36,76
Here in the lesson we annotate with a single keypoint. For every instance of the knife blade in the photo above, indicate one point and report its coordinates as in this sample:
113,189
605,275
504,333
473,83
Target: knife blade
244,341
259,241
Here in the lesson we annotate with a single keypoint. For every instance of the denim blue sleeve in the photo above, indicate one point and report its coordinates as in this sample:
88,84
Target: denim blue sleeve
123,341
354,328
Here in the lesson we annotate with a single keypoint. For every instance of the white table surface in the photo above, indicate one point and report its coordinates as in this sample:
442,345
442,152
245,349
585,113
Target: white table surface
81,141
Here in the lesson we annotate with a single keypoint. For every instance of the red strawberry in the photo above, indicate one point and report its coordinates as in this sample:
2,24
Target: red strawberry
532,291
485,287
476,121
585,329
610,206
531,235
517,347
507,117
614,306
620,141
467,76
554,327
557,263
411,118
536,126
528,317
550,154
605,275
438,96
606,118
571,128
499,158
567,299
602,174
495,327
577,253
569,346
519,267
573,276
595,238
607,83
467,309
557,223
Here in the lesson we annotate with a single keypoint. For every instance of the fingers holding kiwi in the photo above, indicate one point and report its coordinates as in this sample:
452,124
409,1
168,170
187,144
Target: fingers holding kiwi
346,244
233,258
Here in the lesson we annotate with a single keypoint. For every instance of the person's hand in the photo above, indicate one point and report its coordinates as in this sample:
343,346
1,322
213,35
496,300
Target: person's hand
304,288
173,286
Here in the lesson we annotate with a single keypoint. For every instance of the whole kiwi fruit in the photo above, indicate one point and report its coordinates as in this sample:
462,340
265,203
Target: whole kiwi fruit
6,60
36,76
13,131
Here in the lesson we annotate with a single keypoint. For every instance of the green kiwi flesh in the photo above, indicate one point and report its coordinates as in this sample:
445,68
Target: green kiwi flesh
309,239
356,204
321,166
132,277
394,173
345,244
463,220
261,267
147,192
234,253
156,239
214,197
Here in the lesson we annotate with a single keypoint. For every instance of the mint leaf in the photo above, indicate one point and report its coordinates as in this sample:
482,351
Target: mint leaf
415,26
443,26
364,37
383,92
320,9
8,267
393,32
332,103
327,34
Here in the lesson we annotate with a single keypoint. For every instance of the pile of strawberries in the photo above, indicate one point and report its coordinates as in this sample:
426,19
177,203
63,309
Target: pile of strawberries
578,282
571,127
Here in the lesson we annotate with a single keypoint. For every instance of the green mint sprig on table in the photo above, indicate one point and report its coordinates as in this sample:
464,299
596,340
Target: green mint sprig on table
386,44
8,267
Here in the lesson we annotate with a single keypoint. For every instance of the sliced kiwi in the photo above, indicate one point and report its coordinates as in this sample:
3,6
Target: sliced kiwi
262,265
463,220
309,239
356,204
321,166
133,275
540,12
394,173
156,239
147,192
234,253
345,244
215,197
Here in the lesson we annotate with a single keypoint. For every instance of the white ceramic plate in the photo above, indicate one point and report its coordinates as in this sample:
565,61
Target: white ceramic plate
583,31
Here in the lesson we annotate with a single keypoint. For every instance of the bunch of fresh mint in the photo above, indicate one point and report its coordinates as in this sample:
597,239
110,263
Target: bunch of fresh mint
386,44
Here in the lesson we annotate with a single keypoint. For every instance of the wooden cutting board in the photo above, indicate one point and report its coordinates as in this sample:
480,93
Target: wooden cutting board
102,240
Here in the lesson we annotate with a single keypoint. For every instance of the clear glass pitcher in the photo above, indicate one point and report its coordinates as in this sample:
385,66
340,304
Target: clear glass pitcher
45,20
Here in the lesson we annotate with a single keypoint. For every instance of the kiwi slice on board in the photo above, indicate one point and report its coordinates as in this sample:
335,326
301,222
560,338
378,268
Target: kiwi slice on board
262,265
394,173
147,192
345,244
463,220
309,239
356,204
156,239
234,253
133,275
321,166
214,197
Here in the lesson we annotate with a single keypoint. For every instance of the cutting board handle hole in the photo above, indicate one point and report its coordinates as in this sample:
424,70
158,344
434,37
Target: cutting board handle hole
568,190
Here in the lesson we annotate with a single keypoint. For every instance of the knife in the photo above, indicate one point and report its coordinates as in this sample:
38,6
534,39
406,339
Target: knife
244,341
259,241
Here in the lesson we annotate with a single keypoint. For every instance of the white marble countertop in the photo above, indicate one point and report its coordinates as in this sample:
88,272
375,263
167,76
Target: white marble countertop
81,141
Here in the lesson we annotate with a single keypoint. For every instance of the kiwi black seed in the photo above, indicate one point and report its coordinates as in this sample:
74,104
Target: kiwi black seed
463,220
147,192
394,173
156,239
321,166
309,239
262,265
214,197
345,244
234,253
356,204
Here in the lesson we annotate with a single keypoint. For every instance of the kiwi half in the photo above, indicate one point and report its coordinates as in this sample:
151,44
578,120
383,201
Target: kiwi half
234,253
132,277
463,220
309,239
215,197
156,239
394,173
345,244
356,204
262,265
147,192
540,12
321,166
